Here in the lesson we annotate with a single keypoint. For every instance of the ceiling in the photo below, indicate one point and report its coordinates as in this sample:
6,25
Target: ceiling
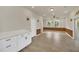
59,11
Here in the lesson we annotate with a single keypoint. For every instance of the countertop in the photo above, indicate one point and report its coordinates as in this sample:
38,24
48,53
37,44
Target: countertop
13,33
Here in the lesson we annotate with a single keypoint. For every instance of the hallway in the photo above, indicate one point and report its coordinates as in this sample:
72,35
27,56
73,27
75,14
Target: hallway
52,42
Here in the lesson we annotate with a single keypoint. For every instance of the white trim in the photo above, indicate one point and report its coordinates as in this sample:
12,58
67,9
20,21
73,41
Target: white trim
69,35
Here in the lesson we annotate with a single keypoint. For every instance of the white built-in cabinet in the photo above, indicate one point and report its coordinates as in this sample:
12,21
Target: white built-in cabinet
33,27
8,44
36,23
16,42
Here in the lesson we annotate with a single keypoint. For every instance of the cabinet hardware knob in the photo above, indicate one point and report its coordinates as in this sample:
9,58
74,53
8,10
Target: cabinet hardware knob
8,46
8,39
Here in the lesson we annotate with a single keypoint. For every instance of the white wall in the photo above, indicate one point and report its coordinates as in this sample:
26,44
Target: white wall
75,32
40,23
14,18
71,24
44,22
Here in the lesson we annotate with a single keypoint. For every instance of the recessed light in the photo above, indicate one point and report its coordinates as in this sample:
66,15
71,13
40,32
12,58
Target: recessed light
51,9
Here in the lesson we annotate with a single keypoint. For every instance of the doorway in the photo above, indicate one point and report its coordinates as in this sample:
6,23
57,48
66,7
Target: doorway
77,29
53,23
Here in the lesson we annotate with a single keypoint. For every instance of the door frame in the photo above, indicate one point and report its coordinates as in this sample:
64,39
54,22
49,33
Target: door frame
75,27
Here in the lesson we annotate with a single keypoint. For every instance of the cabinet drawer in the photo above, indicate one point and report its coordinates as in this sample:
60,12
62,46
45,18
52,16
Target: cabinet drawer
9,47
9,44
9,40
14,43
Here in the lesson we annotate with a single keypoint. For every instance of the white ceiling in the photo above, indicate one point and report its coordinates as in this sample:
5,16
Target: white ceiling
59,11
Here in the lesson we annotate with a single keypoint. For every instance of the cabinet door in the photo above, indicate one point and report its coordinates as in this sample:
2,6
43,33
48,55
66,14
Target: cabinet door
22,42
28,39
